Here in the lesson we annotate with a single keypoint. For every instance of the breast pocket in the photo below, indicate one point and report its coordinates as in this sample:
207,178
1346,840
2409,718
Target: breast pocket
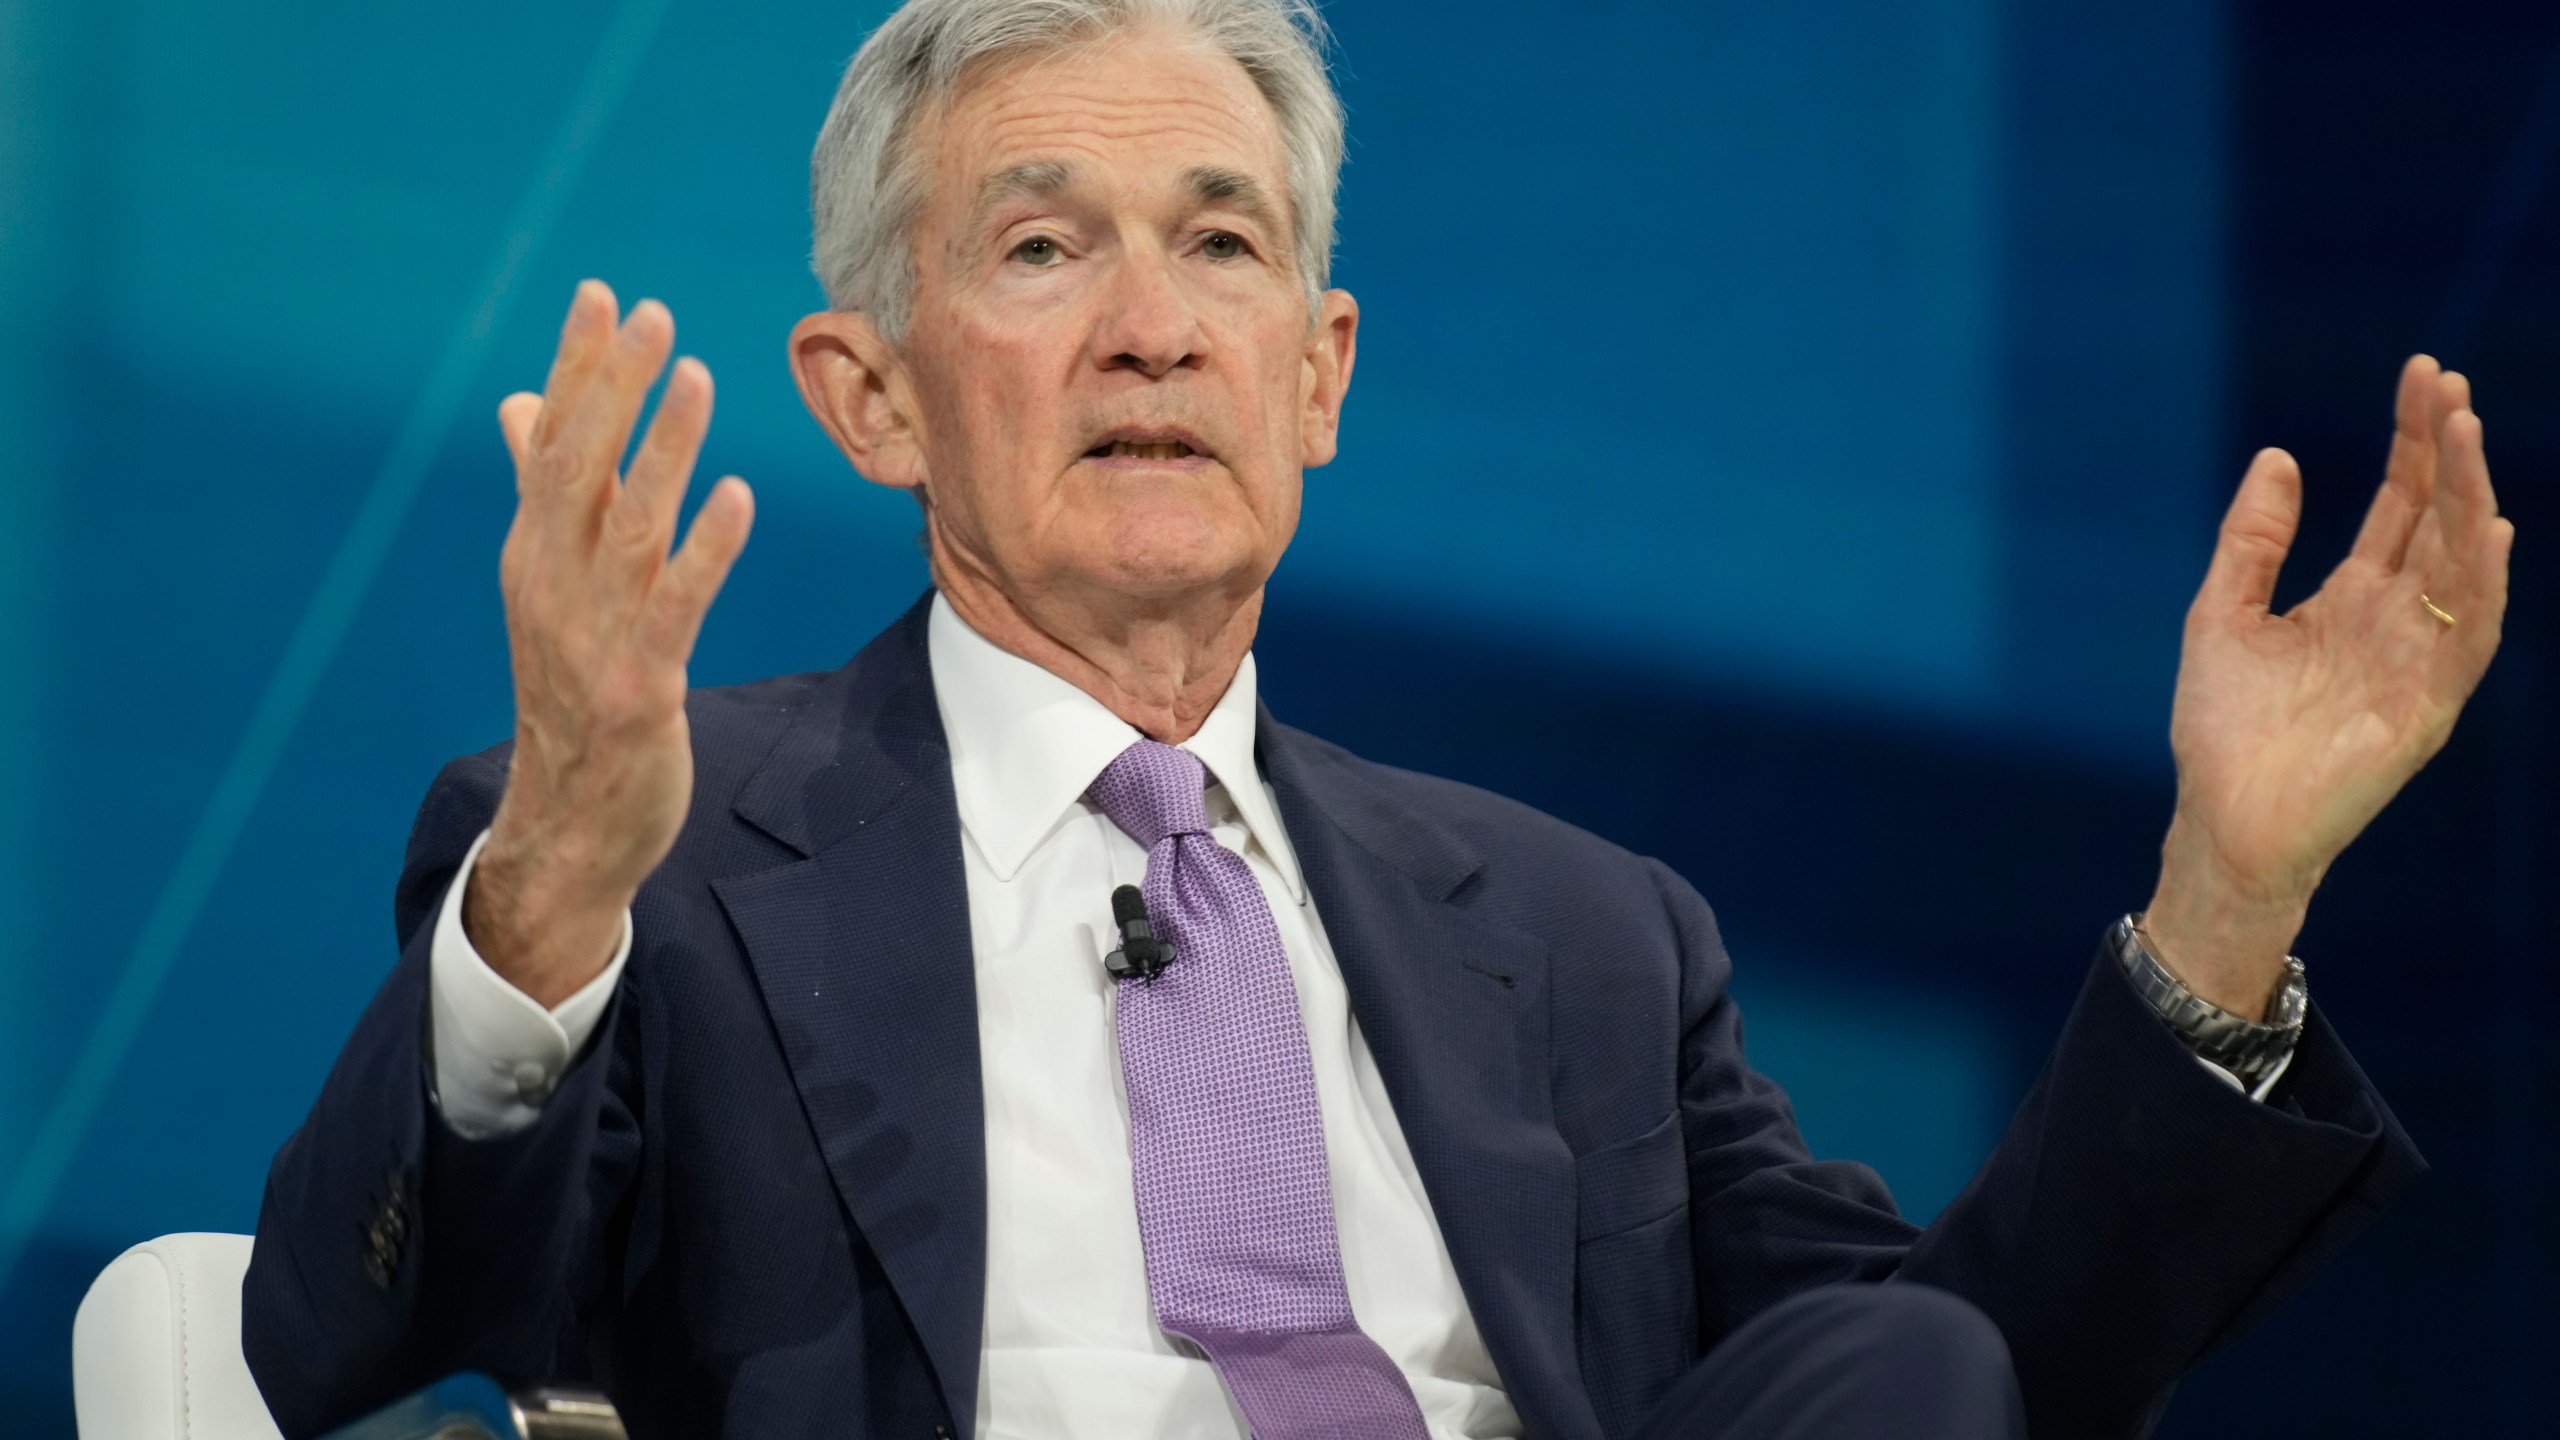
1632,1182
1635,1291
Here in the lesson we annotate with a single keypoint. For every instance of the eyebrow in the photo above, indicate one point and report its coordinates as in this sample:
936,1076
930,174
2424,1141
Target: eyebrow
1038,180
1208,182
1044,179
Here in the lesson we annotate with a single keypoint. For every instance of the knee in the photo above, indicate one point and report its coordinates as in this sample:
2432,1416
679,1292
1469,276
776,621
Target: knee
1936,1326
1864,1360
1907,1325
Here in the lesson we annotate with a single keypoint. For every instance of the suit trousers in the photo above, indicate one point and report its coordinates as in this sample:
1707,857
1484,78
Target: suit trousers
1874,1362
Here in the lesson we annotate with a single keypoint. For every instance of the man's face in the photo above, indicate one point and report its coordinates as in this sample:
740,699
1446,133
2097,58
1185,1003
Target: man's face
1115,377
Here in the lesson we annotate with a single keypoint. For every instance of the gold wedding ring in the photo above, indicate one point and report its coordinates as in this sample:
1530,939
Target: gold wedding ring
2436,610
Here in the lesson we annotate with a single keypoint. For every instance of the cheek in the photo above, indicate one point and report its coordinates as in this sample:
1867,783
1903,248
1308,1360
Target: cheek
1286,389
1282,521
989,428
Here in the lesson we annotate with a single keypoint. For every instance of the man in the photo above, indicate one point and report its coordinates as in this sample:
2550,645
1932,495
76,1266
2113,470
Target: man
779,1059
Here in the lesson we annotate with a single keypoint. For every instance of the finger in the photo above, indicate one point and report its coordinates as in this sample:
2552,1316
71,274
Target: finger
2409,477
2463,494
2430,568
2452,557
2465,648
654,489
2488,599
2495,553
2453,392
585,335
2465,505
2257,531
517,416
693,578
592,438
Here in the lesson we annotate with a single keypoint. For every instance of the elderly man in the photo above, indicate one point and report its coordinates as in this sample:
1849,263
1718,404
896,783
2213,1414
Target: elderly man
782,1059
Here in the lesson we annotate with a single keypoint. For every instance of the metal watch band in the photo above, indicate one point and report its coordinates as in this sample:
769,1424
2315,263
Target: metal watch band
2249,1049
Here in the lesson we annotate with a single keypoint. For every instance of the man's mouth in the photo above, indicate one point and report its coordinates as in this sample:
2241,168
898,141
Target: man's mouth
1154,444
1142,450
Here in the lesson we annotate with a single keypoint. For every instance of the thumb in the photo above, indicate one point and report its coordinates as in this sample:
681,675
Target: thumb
2257,532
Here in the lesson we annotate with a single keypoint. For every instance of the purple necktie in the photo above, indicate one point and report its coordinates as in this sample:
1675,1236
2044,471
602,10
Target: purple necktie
1234,1208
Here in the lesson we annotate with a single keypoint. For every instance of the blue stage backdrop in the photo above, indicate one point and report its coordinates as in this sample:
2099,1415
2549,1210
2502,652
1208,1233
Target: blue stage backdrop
1835,396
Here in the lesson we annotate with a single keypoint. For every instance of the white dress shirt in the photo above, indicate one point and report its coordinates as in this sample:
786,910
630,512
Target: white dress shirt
1071,1347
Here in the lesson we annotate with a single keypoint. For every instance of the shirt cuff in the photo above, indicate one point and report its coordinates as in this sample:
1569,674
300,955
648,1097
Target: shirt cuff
2219,1040
498,1053
2264,1088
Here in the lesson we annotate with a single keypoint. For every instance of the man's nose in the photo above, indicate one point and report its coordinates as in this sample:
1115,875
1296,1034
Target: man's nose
1151,325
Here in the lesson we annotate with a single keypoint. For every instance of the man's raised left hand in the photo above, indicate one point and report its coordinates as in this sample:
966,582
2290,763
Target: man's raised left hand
2292,731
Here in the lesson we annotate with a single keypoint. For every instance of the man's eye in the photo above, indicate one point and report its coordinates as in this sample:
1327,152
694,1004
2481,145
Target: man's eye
1222,246
1038,250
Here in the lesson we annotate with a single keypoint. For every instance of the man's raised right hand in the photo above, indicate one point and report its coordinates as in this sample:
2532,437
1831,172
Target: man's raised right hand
600,622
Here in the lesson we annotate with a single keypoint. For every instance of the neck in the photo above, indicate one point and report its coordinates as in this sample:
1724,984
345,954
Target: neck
1160,664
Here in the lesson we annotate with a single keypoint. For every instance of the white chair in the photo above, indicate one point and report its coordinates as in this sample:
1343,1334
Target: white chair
155,1349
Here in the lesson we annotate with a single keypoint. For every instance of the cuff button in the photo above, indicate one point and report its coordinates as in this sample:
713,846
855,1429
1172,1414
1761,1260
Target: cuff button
533,1083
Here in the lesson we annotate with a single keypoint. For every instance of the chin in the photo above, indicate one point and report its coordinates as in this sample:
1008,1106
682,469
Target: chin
1171,555
1163,535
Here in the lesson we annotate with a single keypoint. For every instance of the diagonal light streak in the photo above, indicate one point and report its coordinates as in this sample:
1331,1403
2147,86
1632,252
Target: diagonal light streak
317,636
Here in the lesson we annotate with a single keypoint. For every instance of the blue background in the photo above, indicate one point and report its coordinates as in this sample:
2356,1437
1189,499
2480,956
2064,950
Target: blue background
1784,441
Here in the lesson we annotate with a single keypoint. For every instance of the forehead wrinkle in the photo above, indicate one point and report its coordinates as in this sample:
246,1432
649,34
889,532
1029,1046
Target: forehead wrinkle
1047,126
1041,108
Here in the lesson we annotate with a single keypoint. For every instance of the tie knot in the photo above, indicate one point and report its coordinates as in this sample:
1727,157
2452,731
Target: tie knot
1152,790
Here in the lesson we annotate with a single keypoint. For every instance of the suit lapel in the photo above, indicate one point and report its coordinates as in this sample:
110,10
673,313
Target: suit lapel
1454,1009
862,950
863,954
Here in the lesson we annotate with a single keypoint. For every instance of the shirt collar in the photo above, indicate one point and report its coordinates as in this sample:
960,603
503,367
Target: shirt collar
1026,743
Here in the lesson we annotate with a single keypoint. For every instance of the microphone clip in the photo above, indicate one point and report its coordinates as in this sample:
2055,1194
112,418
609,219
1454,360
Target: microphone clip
1140,955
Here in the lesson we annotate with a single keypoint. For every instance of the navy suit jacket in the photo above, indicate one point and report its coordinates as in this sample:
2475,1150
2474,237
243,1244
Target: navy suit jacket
756,1205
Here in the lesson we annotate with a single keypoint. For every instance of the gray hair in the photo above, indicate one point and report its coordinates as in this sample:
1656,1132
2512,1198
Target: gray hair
866,187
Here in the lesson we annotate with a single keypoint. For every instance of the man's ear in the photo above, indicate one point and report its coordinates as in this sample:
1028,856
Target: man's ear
1332,342
857,385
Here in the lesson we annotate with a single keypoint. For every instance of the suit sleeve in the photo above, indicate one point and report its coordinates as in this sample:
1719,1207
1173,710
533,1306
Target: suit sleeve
2138,1211
393,1251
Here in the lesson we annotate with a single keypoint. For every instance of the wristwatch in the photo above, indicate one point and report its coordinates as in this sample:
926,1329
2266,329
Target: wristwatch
2250,1049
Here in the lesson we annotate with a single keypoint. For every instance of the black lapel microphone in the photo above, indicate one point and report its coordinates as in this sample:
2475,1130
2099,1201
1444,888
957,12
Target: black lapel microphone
1140,955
